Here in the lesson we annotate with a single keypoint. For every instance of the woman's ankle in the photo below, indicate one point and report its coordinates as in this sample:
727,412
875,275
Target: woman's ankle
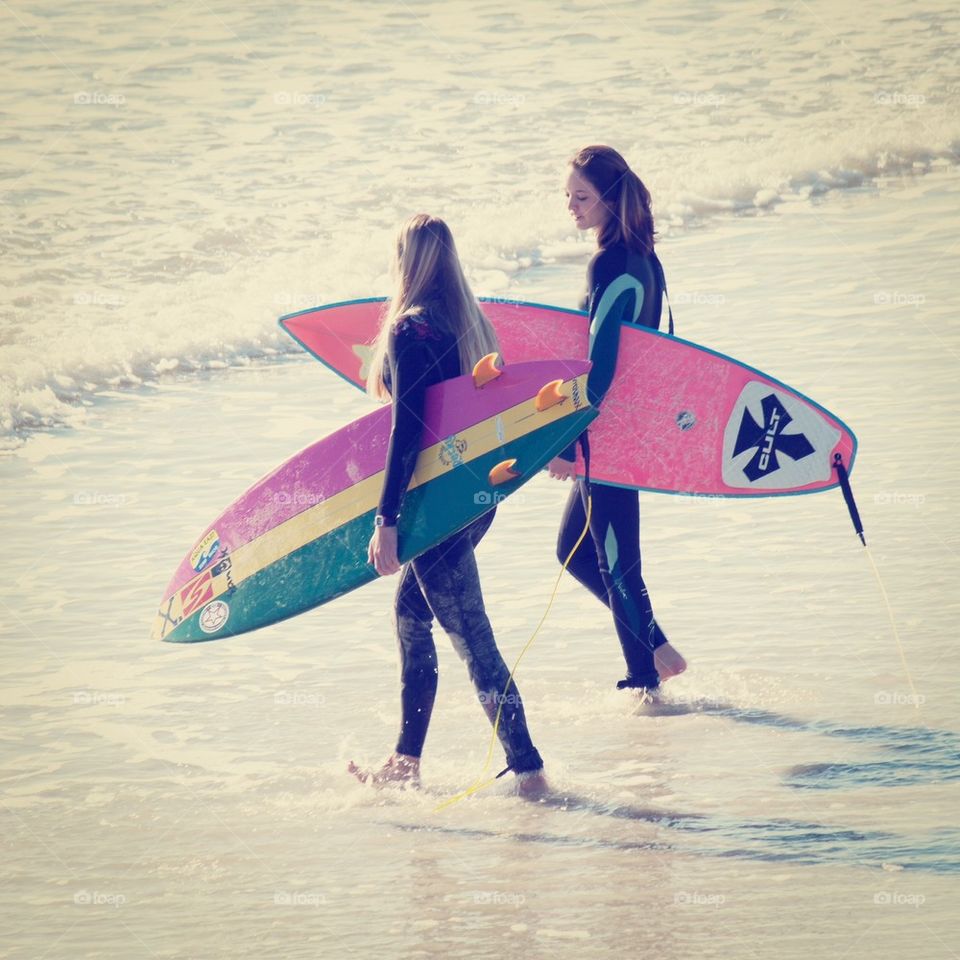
403,761
532,784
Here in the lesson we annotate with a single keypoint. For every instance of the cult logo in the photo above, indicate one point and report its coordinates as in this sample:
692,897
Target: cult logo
769,439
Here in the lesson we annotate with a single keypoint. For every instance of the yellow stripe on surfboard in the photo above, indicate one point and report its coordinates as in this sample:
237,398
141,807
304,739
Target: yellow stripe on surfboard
322,518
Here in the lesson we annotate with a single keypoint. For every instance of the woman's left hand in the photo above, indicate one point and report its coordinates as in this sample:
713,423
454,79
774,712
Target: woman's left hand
382,550
561,469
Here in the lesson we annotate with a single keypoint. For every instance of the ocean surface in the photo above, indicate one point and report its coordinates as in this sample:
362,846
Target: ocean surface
174,178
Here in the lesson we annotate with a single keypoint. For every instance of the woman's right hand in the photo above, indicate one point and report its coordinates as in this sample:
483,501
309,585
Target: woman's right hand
382,550
561,469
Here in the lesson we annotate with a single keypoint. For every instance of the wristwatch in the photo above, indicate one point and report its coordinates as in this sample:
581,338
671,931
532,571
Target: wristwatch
379,520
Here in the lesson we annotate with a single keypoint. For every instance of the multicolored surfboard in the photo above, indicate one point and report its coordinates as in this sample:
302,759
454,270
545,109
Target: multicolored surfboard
679,418
298,537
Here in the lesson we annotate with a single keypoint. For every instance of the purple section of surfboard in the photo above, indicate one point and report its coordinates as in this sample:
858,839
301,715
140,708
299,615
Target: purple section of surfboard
358,451
678,418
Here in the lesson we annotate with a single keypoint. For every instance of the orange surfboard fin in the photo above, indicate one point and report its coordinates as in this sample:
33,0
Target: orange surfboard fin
550,395
485,370
503,472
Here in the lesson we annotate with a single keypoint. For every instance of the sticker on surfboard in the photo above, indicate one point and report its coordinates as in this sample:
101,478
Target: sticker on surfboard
686,420
774,440
205,550
214,616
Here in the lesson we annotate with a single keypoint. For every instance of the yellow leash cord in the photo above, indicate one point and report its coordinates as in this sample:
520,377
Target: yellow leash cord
893,625
480,783
844,480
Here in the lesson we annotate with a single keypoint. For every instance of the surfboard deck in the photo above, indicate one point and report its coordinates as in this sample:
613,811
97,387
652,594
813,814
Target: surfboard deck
679,417
298,537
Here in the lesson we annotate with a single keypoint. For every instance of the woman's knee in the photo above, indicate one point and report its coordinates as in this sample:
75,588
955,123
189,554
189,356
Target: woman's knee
415,642
471,634
419,664
485,664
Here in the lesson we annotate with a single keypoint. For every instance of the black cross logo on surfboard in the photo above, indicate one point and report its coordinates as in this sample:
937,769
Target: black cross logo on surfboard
769,439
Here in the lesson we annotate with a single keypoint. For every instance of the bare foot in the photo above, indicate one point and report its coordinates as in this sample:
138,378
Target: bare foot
399,769
648,700
652,703
668,661
532,785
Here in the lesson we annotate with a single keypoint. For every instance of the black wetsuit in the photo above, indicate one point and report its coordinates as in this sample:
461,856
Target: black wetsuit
442,582
621,287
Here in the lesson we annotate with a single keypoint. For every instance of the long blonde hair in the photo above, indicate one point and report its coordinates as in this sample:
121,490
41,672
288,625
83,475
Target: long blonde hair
427,272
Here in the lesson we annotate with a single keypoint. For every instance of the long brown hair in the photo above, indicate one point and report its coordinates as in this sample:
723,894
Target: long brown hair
623,194
426,271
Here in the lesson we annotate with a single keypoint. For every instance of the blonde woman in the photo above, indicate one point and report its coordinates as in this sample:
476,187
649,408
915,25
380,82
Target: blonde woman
434,330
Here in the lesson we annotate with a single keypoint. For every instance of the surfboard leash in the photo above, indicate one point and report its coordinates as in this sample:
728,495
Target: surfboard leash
844,480
480,783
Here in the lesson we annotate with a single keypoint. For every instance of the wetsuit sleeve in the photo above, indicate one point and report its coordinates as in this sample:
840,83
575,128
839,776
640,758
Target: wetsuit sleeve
614,296
408,361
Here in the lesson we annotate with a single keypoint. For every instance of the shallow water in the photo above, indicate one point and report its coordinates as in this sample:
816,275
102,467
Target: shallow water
174,178
167,801
173,801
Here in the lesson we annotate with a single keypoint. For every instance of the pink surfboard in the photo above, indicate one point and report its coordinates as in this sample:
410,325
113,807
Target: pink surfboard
297,538
679,417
